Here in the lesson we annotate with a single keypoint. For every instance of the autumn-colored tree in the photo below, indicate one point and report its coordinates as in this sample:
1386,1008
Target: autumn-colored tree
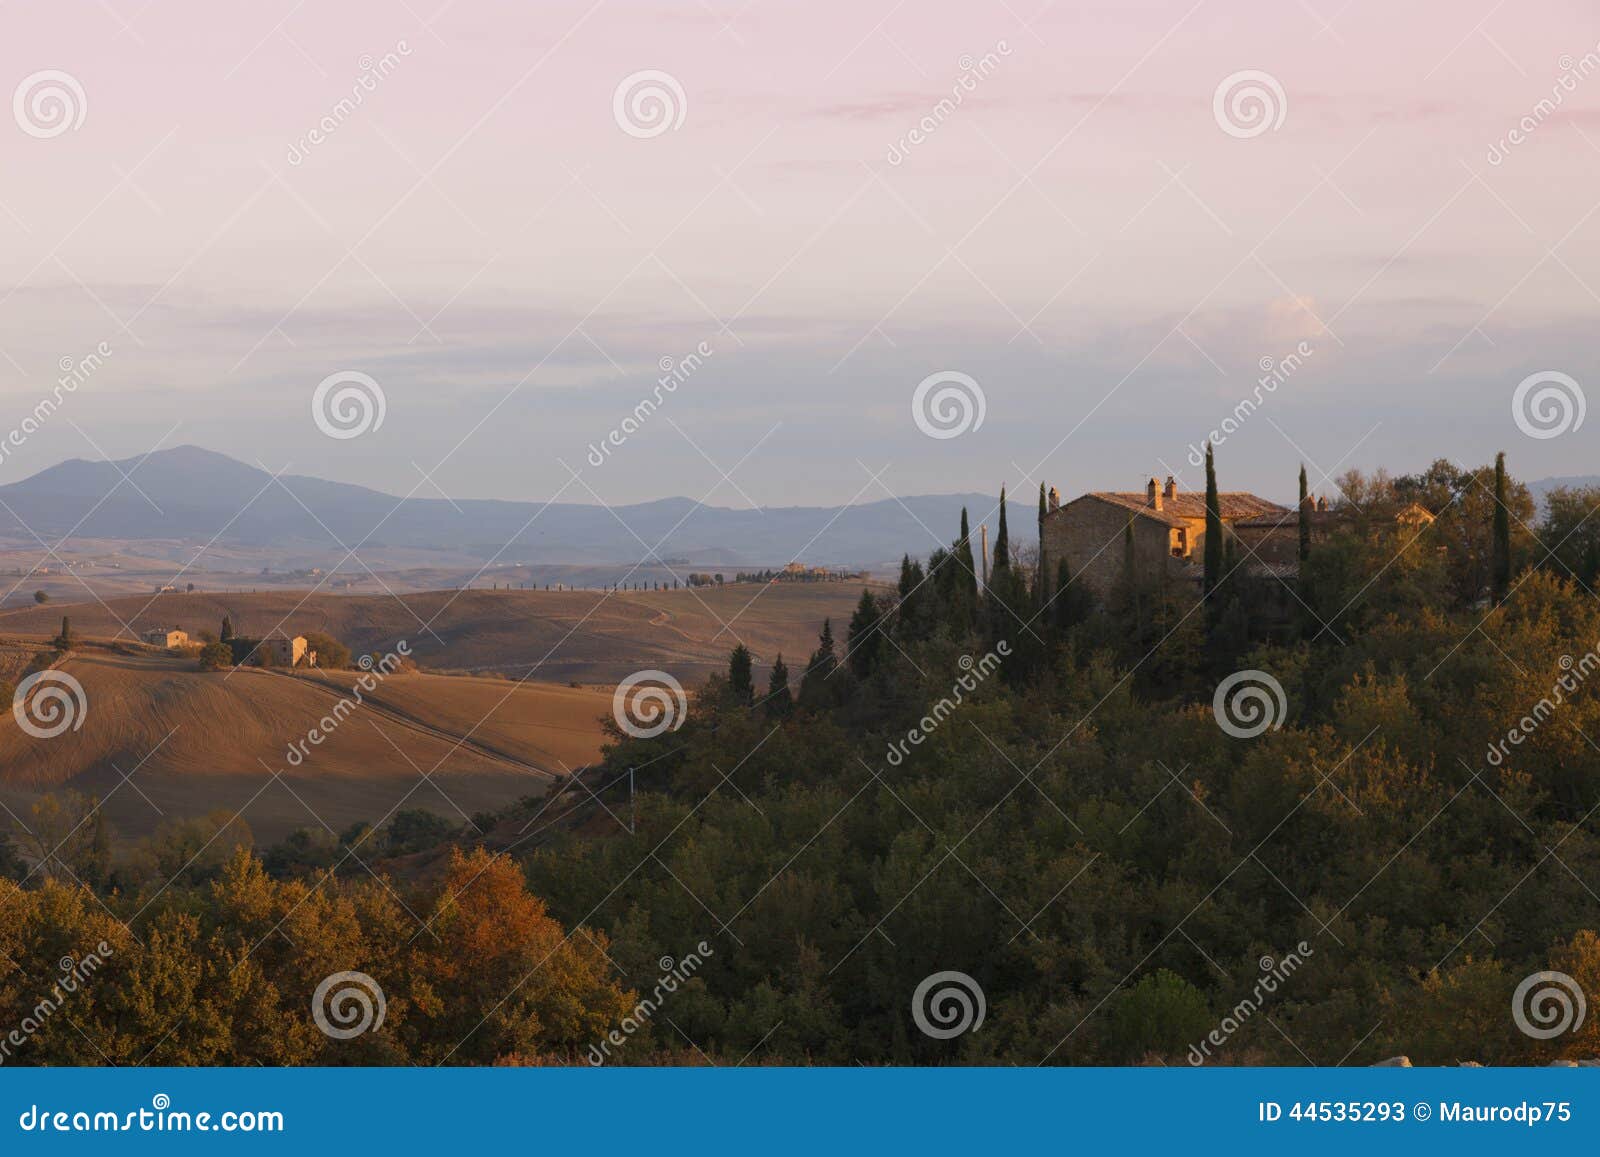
496,975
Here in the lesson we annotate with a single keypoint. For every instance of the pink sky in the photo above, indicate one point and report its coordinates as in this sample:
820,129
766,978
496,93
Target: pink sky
1079,236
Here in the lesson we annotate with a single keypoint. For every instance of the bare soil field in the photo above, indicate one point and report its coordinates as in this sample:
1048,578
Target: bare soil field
159,739
552,636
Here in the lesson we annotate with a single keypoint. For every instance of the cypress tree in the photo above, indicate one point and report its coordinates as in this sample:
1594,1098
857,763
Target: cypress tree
865,640
227,629
965,579
1501,574
913,598
741,679
1039,579
1002,540
778,703
1305,518
1213,559
816,686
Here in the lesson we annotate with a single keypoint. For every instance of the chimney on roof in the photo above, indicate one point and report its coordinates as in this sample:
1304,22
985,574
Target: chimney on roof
1171,490
1152,495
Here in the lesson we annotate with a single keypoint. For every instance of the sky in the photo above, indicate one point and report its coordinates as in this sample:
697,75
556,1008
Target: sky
1053,211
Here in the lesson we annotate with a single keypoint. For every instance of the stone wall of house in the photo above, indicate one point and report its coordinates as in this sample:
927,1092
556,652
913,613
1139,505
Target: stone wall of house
1278,545
1088,532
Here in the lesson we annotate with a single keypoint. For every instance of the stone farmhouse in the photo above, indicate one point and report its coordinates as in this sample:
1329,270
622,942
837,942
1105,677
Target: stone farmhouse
1169,530
167,637
286,651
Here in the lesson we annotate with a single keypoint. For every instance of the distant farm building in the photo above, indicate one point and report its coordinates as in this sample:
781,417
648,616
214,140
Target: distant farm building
167,637
277,650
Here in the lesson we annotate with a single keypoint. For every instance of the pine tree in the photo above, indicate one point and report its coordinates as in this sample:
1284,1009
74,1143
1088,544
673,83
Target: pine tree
1501,574
779,704
741,679
1213,559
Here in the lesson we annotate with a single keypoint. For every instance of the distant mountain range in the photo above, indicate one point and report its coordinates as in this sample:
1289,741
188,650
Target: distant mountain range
204,495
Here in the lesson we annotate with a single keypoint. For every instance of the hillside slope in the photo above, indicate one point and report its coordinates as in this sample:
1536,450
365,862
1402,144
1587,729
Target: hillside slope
160,739
588,636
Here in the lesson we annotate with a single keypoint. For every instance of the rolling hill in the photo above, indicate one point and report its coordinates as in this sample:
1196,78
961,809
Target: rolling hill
159,739
587,636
